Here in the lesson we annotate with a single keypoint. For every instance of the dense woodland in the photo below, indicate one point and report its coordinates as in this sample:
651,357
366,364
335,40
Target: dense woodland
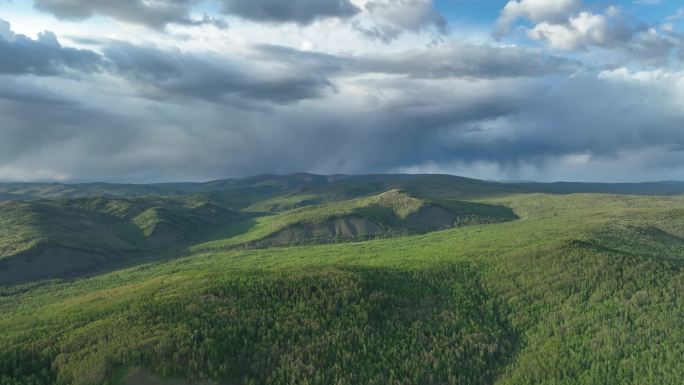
577,289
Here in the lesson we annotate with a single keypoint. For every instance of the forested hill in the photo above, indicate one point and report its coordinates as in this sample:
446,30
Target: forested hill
575,289
58,237
261,186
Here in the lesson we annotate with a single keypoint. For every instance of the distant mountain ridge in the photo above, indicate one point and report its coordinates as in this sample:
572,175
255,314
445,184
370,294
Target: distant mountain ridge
667,188
259,184
271,183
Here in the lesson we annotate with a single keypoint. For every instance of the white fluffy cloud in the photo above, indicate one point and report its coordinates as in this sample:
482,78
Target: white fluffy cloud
386,20
537,11
580,30
572,26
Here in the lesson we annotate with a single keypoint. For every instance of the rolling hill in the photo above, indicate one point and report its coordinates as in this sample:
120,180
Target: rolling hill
391,213
337,280
67,237
59,238
254,190
303,187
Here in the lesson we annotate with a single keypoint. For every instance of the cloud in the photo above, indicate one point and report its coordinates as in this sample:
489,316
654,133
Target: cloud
580,31
382,20
283,75
573,28
302,12
654,47
155,108
6,30
155,14
386,20
469,61
538,11
372,124
42,56
161,73
454,60
678,15
158,14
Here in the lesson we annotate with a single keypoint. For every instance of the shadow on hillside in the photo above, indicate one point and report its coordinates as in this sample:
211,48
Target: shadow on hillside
345,324
55,261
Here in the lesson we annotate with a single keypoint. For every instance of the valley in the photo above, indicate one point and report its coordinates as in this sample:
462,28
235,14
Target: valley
412,285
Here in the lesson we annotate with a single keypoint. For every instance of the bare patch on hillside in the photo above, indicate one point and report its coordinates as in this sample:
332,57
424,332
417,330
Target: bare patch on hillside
340,228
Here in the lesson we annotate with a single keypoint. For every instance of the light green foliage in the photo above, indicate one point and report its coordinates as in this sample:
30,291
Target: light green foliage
400,203
391,210
581,289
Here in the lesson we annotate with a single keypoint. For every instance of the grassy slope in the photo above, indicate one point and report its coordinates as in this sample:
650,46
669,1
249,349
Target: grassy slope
582,290
391,210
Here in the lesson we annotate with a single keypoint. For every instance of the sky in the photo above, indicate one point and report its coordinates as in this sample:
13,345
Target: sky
192,90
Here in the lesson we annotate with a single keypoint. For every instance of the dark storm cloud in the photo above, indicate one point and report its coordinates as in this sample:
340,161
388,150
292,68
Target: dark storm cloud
386,20
283,75
155,14
381,124
37,121
132,114
43,56
603,119
509,124
292,11
162,73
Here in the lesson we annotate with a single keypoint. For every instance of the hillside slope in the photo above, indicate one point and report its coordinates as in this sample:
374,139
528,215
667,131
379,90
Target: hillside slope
69,237
63,237
583,289
391,213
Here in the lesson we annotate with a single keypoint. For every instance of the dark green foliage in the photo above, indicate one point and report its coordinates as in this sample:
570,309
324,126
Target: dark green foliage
285,192
592,316
581,289
244,192
345,326
32,366
61,237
